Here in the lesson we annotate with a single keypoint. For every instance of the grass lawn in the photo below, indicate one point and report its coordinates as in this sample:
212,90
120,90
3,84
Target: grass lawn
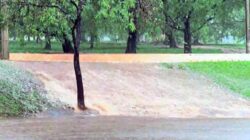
232,75
227,46
20,93
33,47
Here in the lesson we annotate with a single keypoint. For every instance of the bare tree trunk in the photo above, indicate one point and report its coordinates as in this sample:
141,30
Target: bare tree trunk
132,42
169,32
197,41
92,41
133,35
76,34
28,38
247,18
5,43
83,38
4,37
14,35
187,36
170,40
47,42
38,39
66,45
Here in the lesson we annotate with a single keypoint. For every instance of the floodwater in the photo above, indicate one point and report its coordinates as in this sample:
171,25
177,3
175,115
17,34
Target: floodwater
78,126
140,90
132,101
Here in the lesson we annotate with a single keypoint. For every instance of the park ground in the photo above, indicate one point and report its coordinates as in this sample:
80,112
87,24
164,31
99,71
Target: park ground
119,48
156,100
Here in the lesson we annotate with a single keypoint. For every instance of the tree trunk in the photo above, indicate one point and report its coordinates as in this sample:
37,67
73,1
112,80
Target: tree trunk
169,32
170,40
247,21
76,35
28,38
132,42
66,45
83,37
92,41
47,42
38,39
138,38
187,36
14,35
133,35
4,43
197,41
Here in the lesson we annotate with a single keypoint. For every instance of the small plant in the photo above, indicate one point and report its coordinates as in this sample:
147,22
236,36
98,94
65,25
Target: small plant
169,65
20,93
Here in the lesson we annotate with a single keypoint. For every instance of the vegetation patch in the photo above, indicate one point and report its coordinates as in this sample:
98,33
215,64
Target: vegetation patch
232,75
102,48
20,93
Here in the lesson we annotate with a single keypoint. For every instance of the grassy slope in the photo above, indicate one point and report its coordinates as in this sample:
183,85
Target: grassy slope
20,93
32,47
232,75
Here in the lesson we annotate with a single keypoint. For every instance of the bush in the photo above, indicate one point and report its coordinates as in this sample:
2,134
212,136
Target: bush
20,93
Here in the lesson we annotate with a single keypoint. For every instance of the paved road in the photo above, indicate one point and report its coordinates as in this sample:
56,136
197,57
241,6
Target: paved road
124,128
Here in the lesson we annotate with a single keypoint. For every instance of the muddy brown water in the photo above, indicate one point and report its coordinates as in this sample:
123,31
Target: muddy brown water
81,127
132,101
144,90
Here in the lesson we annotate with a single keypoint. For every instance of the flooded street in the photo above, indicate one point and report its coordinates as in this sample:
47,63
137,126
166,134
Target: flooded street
132,102
124,128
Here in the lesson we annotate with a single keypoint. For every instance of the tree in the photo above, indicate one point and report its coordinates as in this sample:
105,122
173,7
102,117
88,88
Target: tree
247,15
4,31
227,22
133,29
169,32
28,20
142,12
184,13
92,23
72,10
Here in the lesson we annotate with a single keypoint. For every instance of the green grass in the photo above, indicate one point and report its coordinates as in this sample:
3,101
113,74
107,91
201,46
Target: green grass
119,48
20,93
232,75
32,47
227,46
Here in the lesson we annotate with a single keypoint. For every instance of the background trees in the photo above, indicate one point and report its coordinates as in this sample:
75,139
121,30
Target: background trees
189,17
172,22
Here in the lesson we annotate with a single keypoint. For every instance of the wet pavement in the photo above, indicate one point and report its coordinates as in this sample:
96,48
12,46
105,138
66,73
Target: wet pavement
124,128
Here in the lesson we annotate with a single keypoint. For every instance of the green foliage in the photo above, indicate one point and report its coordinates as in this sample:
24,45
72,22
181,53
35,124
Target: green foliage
20,93
211,20
1,20
228,21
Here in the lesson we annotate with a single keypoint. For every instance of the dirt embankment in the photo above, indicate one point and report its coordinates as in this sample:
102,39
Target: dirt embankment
140,90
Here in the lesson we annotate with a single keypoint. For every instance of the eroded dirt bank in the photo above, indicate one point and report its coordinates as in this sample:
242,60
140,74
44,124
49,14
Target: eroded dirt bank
140,90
